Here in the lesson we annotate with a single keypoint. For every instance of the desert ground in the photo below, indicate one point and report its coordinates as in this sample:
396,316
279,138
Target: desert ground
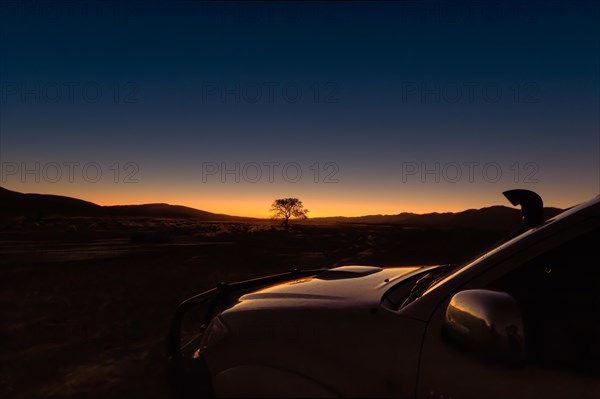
86,302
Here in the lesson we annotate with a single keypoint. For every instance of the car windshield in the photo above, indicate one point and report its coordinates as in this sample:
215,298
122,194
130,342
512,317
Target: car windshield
425,281
442,274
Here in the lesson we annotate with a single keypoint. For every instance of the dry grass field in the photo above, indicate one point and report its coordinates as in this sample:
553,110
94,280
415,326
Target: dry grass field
86,302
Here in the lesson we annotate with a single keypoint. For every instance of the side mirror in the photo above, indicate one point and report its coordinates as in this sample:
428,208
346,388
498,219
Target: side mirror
487,322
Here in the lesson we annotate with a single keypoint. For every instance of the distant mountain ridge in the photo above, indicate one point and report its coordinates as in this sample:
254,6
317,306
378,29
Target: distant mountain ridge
38,206
496,217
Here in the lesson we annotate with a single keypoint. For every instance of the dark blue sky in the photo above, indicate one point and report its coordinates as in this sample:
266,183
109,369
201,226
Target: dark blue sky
370,88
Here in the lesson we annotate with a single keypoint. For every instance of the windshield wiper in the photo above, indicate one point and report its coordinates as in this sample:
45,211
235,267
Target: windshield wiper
422,284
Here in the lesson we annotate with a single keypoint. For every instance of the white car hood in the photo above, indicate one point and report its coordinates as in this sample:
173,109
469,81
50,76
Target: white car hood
299,329
345,286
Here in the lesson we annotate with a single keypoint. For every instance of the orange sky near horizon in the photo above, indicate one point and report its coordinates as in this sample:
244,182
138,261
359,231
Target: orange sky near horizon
321,202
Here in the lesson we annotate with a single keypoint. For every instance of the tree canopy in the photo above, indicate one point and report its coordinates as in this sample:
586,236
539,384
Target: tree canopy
286,208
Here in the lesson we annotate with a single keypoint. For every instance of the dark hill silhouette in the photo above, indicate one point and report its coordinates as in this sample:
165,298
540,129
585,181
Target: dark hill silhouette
166,211
490,218
370,219
37,206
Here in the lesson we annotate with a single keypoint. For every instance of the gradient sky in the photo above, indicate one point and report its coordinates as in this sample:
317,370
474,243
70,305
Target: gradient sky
369,94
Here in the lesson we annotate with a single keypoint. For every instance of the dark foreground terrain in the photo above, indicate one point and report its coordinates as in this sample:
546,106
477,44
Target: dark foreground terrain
86,302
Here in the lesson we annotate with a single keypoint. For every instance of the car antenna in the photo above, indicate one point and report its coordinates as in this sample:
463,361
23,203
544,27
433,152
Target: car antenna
532,206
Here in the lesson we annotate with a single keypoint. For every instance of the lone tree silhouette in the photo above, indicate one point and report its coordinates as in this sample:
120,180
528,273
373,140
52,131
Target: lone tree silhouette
285,208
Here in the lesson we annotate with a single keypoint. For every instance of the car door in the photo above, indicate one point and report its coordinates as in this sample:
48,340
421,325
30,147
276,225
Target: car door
558,293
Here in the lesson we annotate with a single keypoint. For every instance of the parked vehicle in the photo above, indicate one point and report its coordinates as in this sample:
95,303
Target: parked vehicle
520,321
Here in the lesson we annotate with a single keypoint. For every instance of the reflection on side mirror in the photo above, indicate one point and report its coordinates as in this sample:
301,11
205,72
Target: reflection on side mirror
488,322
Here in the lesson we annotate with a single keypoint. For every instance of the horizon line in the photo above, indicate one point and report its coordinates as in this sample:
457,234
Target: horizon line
269,217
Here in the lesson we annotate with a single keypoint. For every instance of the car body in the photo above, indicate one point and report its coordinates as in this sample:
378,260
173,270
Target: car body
519,321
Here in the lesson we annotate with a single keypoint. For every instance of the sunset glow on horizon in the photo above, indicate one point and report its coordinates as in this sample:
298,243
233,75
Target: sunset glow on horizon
250,203
222,113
